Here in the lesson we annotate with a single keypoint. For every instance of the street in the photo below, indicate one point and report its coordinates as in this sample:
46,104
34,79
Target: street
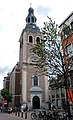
6,116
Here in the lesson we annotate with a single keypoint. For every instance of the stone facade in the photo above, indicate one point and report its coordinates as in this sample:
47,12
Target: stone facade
25,83
30,92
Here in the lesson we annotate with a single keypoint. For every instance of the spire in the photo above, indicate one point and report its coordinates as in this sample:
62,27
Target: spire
30,19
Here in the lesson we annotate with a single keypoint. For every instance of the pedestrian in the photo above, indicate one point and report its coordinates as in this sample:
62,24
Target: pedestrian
49,106
26,107
1,109
22,108
53,107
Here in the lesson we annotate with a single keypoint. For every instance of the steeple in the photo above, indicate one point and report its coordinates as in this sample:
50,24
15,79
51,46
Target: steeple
31,21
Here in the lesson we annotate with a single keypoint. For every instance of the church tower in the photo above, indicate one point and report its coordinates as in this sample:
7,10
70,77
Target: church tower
34,87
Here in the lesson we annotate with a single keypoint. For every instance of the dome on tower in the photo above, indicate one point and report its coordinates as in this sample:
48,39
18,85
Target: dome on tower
31,21
31,10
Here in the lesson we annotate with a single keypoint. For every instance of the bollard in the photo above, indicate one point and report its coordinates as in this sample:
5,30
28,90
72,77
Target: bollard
18,113
25,115
21,114
15,113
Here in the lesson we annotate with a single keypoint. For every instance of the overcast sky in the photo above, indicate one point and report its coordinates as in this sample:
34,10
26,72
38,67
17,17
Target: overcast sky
12,21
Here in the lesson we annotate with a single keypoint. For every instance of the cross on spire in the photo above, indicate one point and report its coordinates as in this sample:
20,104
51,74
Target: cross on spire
30,4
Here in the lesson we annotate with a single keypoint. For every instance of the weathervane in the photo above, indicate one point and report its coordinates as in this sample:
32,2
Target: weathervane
30,4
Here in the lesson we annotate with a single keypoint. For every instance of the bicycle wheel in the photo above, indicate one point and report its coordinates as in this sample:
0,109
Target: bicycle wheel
33,116
47,118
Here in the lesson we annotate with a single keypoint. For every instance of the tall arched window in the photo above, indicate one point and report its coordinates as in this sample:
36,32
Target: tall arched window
29,20
35,80
37,40
32,19
30,39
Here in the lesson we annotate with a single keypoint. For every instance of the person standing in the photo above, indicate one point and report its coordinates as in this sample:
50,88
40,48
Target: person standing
26,107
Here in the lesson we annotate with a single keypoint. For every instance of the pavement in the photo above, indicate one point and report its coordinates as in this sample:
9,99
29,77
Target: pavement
13,116
24,116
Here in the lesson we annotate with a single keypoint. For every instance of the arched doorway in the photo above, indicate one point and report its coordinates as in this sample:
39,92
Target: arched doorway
36,102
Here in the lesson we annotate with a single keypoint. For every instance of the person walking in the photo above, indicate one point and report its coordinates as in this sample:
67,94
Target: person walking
26,107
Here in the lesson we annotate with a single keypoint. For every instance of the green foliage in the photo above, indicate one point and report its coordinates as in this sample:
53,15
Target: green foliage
6,95
49,50
39,50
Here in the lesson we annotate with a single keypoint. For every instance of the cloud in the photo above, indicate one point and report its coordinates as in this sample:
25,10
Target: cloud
1,28
1,9
4,70
41,10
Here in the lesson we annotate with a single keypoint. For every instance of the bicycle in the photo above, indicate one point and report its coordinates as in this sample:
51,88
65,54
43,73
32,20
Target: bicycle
53,115
33,115
36,115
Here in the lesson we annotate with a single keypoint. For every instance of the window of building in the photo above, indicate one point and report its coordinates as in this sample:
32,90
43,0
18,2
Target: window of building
35,80
32,19
72,25
37,40
29,20
69,50
30,39
66,31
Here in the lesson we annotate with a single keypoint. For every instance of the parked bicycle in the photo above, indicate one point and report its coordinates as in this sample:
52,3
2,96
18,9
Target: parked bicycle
65,117
36,115
50,115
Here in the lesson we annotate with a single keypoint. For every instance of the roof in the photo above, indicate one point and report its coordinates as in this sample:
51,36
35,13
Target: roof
66,19
32,28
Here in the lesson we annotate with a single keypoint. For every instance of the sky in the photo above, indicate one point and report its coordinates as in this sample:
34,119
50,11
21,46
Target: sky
12,21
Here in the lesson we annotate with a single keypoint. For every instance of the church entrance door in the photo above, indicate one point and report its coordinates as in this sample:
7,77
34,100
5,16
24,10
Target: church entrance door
36,102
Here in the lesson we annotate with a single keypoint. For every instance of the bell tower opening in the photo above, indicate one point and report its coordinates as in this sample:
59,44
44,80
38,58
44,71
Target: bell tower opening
31,19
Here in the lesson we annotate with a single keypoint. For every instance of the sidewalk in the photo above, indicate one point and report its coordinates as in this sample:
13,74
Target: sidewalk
25,115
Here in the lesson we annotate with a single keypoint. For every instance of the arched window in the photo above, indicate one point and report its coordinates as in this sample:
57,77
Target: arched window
30,39
37,40
35,80
29,20
32,19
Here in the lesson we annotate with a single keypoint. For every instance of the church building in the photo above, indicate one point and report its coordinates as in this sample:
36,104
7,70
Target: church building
34,87
26,84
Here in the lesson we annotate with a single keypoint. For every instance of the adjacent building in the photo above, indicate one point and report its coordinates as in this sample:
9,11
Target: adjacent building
13,84
66,28
57,90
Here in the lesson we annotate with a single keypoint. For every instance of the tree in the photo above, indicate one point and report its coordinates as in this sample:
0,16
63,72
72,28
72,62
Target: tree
49,50
6,95
50,56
